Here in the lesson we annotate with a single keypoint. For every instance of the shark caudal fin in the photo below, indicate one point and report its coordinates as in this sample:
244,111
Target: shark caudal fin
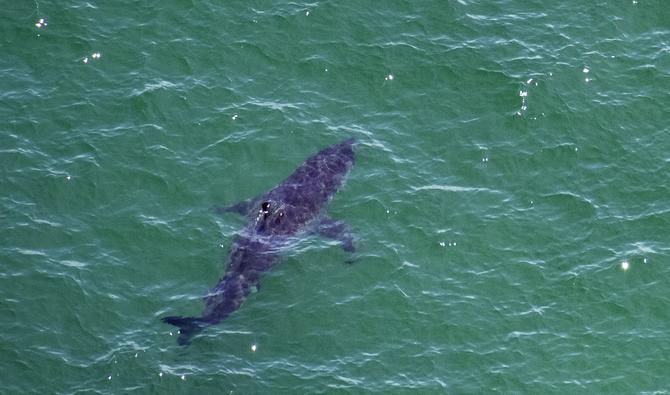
188,327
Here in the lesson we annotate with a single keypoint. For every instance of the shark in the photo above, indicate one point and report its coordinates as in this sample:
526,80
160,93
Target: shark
296,206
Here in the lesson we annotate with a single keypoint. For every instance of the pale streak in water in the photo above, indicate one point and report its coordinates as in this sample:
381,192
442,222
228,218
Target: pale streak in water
453,188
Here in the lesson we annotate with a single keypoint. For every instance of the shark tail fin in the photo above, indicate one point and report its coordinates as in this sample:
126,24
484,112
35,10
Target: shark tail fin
188,327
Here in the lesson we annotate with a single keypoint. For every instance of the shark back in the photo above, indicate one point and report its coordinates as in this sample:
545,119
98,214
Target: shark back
301,196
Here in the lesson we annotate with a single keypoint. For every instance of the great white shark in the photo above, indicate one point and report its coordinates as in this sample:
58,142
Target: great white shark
297,204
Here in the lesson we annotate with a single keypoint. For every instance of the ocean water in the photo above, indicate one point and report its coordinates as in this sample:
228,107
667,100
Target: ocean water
510,199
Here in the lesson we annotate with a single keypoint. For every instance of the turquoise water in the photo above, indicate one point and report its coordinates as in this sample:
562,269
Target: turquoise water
509,201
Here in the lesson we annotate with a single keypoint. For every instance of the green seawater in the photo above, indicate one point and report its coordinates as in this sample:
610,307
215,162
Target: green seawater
510,200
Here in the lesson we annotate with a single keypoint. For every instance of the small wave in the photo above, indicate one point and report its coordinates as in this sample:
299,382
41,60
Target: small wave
454,188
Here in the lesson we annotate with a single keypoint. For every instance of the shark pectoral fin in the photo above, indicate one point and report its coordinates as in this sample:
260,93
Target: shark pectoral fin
188,327
337,230
243,207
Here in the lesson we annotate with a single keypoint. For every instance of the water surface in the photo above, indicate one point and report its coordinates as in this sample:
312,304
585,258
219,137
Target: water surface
511,158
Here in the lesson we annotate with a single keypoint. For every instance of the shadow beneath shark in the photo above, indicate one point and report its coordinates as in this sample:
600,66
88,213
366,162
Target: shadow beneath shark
275,217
